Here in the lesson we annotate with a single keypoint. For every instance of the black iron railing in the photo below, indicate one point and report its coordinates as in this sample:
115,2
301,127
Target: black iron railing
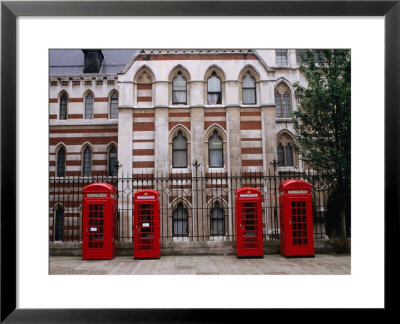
193,206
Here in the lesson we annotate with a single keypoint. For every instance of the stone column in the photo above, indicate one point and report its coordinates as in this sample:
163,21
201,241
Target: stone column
161,141
197,154
268,126
161,165
233,139
125,138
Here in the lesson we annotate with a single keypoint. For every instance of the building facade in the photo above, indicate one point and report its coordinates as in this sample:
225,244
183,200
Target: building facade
166,112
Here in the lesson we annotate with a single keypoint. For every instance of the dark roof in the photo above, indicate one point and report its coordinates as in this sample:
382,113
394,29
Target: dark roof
70,61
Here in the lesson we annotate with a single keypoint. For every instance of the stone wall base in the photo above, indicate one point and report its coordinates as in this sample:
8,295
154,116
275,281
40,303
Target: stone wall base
321,246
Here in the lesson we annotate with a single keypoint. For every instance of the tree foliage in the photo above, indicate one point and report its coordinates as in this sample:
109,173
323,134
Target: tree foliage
322,122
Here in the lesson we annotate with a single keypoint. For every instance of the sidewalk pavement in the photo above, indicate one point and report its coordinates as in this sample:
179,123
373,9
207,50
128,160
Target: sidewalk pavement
274,264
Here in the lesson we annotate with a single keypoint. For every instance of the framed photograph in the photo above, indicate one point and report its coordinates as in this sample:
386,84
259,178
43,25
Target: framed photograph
29,29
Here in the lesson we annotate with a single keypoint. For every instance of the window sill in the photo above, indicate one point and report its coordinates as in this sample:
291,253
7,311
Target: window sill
284,120
214,106
216,169
288,169
249,105
285,67
83,122
180,170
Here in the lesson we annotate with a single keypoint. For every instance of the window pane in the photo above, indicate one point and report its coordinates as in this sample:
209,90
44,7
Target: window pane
89,106
179,83
248,89
286,105
248,81
180,228
114,106
213,98
59,228
179,151
179,142
281,57
63,107
278,105
215,147
112,163
214,84
61,163
289,155
87,163
249,96
217,222
180,221
216,159
179,97
215,150
281,157
179,159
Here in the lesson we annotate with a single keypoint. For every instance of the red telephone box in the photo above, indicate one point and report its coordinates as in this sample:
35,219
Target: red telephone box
146,239
99,216
248,223
296,219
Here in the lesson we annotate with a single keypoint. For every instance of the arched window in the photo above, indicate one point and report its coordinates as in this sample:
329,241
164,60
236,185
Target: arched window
144,87
59,224
179,151
217,220
180,221
282,102
215,151
61,162
214,96
179,89
248,89
87,162
63,106
89,106
112,162
286,154
114,106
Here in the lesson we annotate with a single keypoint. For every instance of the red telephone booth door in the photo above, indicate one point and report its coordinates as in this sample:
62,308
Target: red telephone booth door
248,223
146,224
296,219
300,228
93,236
98,226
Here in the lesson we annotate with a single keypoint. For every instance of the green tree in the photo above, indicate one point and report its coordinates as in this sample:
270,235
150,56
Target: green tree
322,122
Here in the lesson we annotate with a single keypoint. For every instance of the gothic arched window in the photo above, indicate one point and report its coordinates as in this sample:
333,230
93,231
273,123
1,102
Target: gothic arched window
87,162
89,106
63,106
248,89
216,151
180,221
61,162
214,96
179,89
179,151
217,220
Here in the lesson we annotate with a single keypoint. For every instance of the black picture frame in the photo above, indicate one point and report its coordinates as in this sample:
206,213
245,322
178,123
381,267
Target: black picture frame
10,10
